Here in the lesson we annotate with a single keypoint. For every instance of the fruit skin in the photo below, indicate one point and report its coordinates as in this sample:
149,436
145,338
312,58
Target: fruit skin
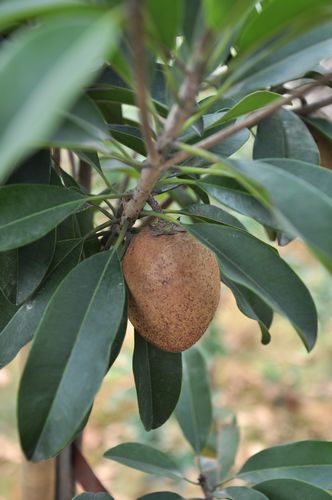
174,287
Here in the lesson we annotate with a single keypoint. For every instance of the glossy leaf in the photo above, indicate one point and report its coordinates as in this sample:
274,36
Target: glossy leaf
158,377
284,135
211,213
63,53
309,461
194,409
7,311
93,496
129,136
90,302
24,323
257,266
144,458
161,495
284,489
28,212
241,493
298,192
252,306
224,15
232,194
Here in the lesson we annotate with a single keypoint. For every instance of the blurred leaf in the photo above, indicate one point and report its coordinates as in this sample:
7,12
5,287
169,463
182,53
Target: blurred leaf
194,409
33,170
161,495
251,305
225,148
192,20
322,125
301,198
90,158
13,11
309,461
24,323
28,212
212,214
228,441
257,266
129,136
165,19
158,377
286,489
241,493
223,15
273,67
7,311
232,194
284,135
119,337
84,128
63,53
144,458
90,302
93,496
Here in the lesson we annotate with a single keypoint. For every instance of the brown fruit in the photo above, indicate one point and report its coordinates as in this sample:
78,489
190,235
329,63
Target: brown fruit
174,286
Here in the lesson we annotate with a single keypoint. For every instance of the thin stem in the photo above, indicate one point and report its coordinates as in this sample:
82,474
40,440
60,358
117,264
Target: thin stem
102,210
152,213
307,109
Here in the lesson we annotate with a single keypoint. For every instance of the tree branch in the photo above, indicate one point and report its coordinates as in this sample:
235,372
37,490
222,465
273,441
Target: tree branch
307,109
178,114
137,35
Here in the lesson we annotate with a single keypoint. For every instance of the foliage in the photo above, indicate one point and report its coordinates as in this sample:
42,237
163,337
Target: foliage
155,104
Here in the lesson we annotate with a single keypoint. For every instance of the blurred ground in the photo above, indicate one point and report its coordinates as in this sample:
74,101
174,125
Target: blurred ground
279,393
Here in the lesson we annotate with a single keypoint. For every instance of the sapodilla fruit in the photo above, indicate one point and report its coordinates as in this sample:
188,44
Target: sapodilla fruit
174,286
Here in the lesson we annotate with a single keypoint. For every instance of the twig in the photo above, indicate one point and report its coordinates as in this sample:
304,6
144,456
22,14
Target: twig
307,109
252,120
203,482
136,21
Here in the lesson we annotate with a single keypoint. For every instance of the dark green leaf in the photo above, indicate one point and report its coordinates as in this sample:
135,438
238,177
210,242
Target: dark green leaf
34,170
28,212
194,409
252,306
129,136
165,19
309,461
63,53
286,489
158,377
119,338
211,213
232,194
257,266
300,196
222,15
323,126
144,458
23,325
284,135
7,311
241,493
161,495
89,303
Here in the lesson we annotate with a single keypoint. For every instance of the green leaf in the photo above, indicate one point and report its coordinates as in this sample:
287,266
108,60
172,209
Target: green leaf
24,323
248,104
272,67
284,135
158,377
119,337
144,458
89,303
28,212
93,496
322,125
241,493
257,266
309,461
223,15
84,128
232,194
129,136
165,19
300,196
228,440
286,489
34,170
252,306
7,311
161,495
211,213
63,52
194,409
13,11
